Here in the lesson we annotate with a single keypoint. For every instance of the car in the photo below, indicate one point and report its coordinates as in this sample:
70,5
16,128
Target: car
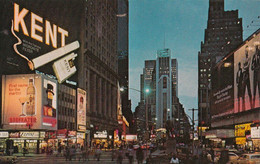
253,158
232,156
4,159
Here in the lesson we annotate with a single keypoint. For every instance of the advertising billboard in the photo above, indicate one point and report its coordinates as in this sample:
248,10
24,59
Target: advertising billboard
81,109
247,75
222,88
28,32
27,103
236,80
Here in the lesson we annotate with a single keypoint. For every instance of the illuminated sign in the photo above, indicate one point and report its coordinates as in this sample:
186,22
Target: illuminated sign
255,132
240,130
29,134
14,135
51,32
100,134
4,134
29,101
81,109
42,134
131,137
29,120
81,135
72,133
241,141
65,67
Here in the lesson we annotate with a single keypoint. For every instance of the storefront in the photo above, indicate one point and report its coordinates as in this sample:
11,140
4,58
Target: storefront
4,135
33,141
80,138
255,136
100,139
243,136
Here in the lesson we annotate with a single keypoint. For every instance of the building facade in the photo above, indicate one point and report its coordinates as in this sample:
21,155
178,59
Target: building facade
160,76
222,35
123,58
99,76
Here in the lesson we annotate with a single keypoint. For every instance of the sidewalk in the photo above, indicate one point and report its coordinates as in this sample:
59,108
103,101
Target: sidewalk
29,155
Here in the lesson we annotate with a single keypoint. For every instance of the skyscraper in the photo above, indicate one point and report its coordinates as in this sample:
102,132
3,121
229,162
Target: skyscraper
161,77
123,58
222,35
99,76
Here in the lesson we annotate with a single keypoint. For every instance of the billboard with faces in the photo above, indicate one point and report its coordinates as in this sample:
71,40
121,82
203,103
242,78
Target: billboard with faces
247,76
81,109
26,103
236,80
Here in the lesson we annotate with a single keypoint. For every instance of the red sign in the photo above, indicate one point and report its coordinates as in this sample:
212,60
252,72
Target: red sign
14,135
49,121
29,120
51,135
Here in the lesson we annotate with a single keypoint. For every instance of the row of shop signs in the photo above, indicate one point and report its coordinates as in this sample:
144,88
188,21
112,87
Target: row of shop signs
41,134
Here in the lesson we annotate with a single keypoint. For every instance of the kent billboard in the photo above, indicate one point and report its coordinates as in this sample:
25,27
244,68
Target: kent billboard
32,28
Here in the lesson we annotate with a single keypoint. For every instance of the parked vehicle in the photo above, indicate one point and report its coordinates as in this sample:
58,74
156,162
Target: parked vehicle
253,158
232,156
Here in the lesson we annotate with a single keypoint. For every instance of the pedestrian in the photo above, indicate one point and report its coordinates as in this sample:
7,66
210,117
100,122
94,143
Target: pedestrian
113,155
24,151
139,155
67,153
78,153
174,159
120,155
130,152
59,150
98,153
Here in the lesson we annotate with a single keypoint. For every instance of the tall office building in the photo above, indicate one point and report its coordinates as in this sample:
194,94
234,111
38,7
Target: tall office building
99,74
161,77
123,58
223,34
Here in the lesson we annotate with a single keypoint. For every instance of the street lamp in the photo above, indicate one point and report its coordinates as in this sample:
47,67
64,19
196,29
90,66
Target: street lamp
146,92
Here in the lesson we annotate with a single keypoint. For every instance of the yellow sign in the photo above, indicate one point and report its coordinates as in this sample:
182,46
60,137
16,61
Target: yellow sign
241,141
241,129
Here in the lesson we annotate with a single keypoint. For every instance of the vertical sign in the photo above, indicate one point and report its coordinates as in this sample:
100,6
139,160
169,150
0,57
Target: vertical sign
81,109
49,100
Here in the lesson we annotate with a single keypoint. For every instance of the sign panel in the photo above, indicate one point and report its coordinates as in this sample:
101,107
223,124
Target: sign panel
255,132
4,134
14,135
246,73
81,135
49,110
101,134
34,32
240,130
81,109
25,101
239,91
131,137
223,90
29,134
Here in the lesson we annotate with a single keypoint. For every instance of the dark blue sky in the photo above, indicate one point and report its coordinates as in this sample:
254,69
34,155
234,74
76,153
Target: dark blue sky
183,22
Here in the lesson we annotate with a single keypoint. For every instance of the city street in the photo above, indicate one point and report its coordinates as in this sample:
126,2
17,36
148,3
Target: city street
43,158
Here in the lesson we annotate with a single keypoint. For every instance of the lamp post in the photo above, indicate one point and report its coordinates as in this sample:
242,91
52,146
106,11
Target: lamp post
193,129
145,92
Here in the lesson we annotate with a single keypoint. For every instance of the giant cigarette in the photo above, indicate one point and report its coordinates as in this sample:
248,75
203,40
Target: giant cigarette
53,55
